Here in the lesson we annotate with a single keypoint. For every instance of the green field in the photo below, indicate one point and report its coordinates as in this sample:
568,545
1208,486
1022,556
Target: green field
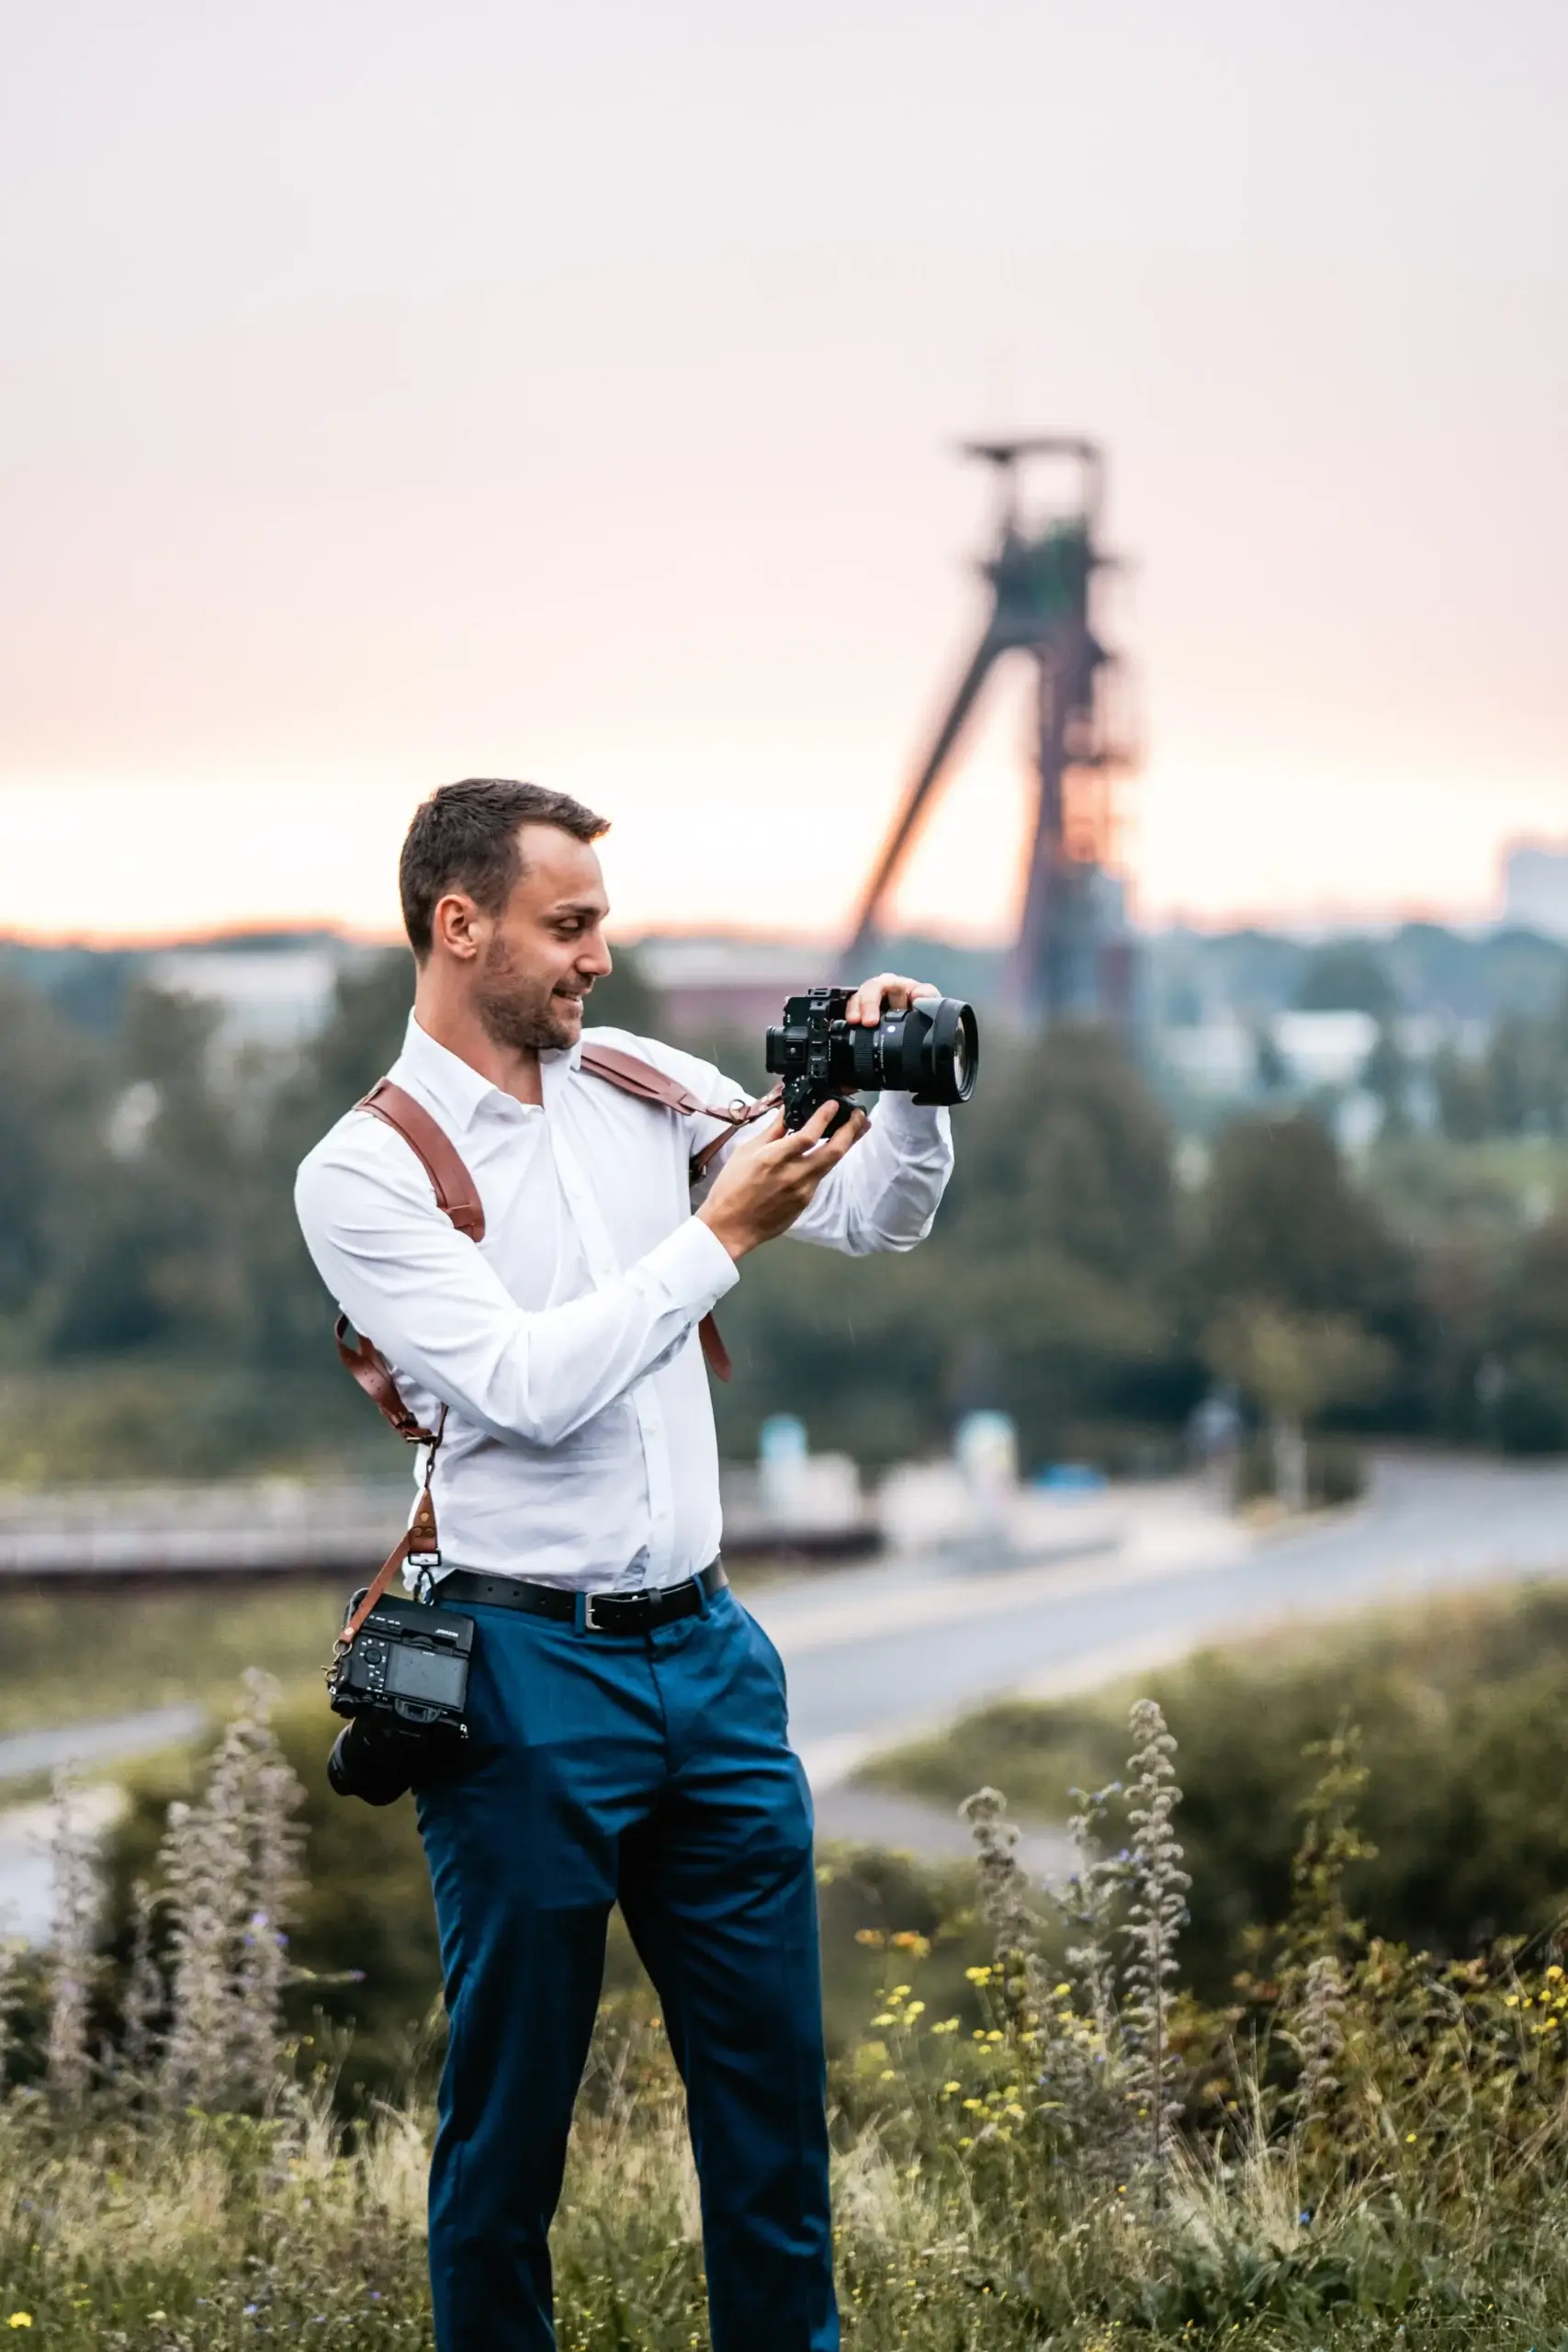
68,1658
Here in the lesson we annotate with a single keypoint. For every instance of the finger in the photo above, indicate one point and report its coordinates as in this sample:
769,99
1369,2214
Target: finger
794,1146
865,1006
843,1139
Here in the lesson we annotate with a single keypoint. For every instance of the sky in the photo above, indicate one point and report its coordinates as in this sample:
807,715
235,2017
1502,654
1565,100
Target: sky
398,392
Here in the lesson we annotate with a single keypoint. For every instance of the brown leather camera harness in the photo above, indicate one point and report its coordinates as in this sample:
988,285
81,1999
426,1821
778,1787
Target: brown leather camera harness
457,1196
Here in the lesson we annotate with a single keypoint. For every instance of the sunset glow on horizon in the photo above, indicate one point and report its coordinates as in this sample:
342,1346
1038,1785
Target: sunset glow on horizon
575,397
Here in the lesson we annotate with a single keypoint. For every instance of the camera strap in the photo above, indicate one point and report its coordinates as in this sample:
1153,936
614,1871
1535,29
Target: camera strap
458,1197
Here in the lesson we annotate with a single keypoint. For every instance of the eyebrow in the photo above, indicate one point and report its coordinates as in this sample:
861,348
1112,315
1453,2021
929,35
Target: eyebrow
580,907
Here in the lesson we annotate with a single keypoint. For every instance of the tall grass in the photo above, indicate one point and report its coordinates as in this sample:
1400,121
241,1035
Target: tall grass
1362,2147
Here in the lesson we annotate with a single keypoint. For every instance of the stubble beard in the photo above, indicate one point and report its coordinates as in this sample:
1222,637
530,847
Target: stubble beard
518,1014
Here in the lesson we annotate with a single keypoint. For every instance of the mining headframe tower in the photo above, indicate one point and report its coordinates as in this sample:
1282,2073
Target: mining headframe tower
1071,957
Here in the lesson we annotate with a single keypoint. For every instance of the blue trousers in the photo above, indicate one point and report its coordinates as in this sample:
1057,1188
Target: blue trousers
653,1770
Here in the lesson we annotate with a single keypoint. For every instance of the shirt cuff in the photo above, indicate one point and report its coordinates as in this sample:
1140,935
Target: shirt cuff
917,1125
694,1267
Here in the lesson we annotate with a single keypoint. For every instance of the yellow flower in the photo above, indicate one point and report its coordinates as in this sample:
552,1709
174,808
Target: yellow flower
994,2034
945,2025
1408,2137
886,2018
948,2089
899,1992
1553,1974
972,2106
1061,1992
20,2319
977,1975
914,2010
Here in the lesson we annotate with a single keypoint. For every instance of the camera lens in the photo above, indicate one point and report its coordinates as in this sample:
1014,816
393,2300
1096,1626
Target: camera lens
949,1049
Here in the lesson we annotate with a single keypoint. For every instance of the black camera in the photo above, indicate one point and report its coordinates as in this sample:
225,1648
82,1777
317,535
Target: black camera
932,1052
403,1683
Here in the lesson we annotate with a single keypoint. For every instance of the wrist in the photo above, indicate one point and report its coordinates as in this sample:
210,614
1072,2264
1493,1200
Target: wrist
726,1230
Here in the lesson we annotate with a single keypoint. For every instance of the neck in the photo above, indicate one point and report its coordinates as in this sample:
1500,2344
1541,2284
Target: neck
453,1021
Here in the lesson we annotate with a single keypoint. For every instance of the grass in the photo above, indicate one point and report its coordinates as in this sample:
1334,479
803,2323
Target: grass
1363,2149
68,1658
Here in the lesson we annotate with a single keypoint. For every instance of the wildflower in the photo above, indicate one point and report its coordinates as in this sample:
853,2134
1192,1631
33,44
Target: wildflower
900,1991
977,1975
948,2089
886,2018
870,1936
906,1939
1061,1992
915,2010
945,2025
20,2319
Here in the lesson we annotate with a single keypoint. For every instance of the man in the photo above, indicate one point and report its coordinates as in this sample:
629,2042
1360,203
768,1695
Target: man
643,1757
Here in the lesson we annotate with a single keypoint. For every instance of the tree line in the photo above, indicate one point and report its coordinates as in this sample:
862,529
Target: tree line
1089,1274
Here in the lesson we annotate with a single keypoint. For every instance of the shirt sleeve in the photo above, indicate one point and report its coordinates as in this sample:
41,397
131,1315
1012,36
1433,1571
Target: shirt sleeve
884,1193
437,1310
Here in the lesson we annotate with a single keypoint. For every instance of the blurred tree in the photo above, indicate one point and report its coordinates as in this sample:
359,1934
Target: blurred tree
1293,1367
626,998
1531,1408
1387,1077
55,1088
1347,976
1282,1223
1464,1097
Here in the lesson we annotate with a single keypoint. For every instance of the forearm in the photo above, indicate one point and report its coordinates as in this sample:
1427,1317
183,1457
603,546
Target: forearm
885,1193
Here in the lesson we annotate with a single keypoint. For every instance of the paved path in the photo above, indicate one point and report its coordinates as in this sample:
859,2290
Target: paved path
871,1662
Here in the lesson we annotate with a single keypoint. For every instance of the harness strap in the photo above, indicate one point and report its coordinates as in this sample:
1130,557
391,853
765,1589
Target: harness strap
458,1197
417,1541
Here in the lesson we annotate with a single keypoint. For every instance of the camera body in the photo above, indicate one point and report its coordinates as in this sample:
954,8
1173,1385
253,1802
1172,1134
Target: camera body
932,1051
403,1683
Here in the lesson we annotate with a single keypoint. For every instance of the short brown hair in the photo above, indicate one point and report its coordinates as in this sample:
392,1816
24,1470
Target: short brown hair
465,838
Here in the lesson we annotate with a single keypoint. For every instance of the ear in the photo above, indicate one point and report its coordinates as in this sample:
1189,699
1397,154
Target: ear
457,926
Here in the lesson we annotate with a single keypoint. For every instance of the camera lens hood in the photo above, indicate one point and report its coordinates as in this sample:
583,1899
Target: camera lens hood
941,1049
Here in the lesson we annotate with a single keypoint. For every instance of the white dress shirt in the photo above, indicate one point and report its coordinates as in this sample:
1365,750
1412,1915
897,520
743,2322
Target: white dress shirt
579,1447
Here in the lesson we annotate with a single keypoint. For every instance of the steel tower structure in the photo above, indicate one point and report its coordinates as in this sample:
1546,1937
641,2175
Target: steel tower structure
1071,955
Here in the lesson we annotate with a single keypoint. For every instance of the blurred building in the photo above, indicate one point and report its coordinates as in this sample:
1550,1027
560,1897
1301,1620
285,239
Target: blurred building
708,986
1535,888
278,997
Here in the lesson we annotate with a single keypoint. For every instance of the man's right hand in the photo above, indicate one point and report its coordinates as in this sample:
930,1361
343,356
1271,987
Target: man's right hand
764,1184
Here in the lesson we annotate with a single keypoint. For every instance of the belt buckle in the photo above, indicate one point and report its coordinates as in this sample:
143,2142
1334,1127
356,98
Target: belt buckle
638,1607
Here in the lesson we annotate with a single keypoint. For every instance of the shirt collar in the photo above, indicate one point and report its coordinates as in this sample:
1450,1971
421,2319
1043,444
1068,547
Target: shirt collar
454,1086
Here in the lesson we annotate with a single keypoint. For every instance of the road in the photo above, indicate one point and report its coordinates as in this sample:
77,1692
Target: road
1104,1588
895,1649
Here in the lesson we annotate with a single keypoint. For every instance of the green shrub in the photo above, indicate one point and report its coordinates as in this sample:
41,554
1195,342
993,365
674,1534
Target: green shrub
1464,1714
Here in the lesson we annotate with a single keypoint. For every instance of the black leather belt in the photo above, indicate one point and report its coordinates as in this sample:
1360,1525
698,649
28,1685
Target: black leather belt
602,1613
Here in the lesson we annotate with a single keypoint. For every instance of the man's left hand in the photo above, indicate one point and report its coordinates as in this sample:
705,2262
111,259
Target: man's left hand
889,992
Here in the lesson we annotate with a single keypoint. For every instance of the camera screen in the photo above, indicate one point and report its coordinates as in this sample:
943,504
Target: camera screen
424,1674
